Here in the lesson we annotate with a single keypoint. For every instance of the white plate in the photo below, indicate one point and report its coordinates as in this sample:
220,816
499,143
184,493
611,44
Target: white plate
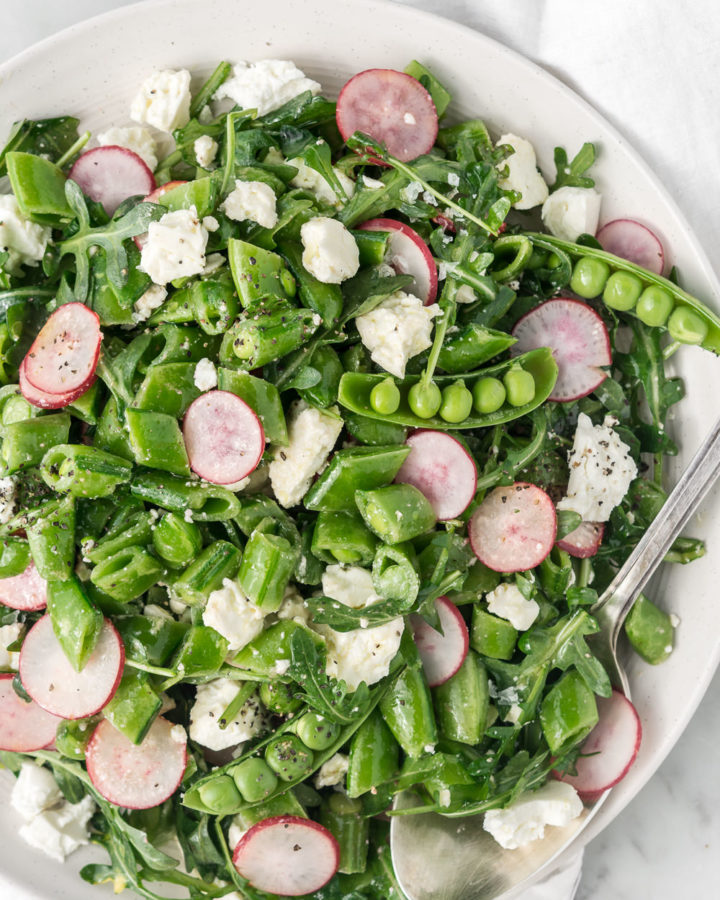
93,69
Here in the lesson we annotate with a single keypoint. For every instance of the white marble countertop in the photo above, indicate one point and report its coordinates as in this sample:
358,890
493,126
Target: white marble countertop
617,55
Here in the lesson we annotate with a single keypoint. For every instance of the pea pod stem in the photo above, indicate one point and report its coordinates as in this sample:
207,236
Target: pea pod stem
73,151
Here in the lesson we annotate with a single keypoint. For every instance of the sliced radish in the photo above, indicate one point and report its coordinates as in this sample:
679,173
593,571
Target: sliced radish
391,107
442,469
26,591
408,254
514,528
578,339
63,357
287,855
584,541
111,174
42,399
442,652
223,436
52,682
446,223
614,743
23,726
137,776
635,242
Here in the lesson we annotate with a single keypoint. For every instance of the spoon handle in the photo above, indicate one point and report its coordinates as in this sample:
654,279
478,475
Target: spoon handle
617,599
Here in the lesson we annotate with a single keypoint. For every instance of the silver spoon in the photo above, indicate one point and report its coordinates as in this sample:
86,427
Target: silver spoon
440,858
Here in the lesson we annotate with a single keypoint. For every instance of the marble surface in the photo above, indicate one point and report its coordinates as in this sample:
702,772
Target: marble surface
644,65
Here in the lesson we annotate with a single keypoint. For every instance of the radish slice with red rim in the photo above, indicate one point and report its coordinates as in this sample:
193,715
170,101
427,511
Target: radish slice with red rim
609,750
408,254
42,399
137,776
224,437
584,541
63,357
287,855
442,652
446,223
23,726
392,108
442,469
26,591
635,242
52,682
578,339
514,528
111,174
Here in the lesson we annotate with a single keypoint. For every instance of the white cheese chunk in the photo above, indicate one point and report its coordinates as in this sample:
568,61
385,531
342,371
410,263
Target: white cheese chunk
396,330
312,434
231,614
350,585
152,299
523,175
364,654
10,659
571,211
310,179
293,607
175,247
35,791
205,149
163,100
556,803
333,771
265,85
205,375
59,832
25,241
601,470
211,700
135,138
251,200
8,491
235,832
507,602
330,252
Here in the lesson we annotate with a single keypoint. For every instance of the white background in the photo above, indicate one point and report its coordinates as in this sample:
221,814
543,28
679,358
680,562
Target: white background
652,67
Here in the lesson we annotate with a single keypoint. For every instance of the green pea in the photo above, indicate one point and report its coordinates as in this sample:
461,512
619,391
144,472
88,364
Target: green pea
687,326
589,277
289,758
520,386
385,397
425,400
220,795
622,291
488,395
254,779
278,697
316,732
654,306
456,402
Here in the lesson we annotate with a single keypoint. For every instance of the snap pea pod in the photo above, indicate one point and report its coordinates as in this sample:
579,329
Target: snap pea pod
267,565
357,468
83,471
394,573
262,654
204,502
200,193
111,434
134,705
169,388
461,703
342,537
267,333
39,186
492,636
201,653
324,299
15,557
127,574
261,396
568,712
150,639
374,756
25,443
355,389
650,631
344,818
217,561
178,542
258,273
157,441
658,301
73,736
76,622
472,346
52,540
396,513
136,529
407,710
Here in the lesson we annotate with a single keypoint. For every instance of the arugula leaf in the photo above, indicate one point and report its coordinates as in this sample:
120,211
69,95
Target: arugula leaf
571,174
318,157
44,137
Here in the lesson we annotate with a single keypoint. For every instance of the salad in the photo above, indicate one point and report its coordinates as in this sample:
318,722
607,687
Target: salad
321,435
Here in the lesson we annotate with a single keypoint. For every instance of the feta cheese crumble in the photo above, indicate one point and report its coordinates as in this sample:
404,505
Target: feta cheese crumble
523,175
205,149
205,375
333,771
350,585
330,253
231,614
601,470
211,701
507,602
312,434
25,241
152,299
8,490
175,247
556,803
265,85
163,100
251,200
135,138
571,211
396,330
308,179
10,659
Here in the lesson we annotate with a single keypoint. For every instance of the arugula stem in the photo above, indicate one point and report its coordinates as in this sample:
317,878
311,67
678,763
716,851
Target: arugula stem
671,349
584,573
209,89
152,670
73,151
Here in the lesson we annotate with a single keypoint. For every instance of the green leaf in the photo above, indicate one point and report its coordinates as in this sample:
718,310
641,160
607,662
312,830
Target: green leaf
44,137
571,174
